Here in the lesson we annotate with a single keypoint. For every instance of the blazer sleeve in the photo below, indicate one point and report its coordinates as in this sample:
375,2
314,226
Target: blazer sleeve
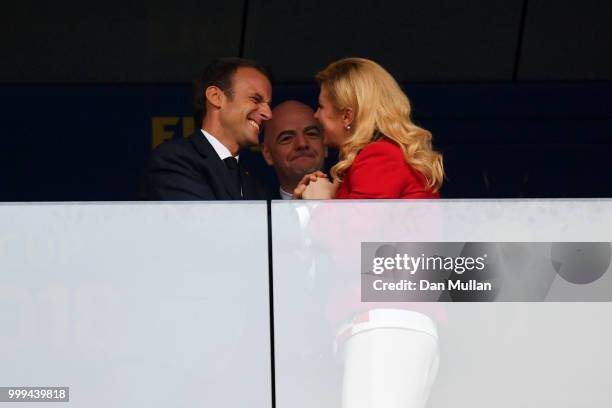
380,171
171,175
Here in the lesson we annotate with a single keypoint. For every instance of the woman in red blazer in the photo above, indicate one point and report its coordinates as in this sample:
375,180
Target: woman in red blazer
390,352
364,113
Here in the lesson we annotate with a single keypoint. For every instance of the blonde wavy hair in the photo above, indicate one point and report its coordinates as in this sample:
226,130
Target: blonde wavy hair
380,110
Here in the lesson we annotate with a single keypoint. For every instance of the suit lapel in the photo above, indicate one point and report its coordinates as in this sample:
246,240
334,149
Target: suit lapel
220,178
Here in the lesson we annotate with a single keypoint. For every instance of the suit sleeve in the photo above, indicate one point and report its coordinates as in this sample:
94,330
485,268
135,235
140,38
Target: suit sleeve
171,177
379,171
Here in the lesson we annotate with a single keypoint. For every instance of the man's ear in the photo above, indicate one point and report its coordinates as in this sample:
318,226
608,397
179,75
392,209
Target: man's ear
214,96
347,116
265,152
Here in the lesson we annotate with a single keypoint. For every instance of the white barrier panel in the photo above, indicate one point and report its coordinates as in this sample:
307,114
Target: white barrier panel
333,350
137,305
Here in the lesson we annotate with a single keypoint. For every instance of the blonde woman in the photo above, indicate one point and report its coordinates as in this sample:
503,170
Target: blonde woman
390,351
383,154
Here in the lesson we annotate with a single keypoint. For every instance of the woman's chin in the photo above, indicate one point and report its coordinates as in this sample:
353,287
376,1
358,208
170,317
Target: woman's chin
331,143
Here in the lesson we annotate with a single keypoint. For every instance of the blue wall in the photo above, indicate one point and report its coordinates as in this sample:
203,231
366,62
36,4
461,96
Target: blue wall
500,139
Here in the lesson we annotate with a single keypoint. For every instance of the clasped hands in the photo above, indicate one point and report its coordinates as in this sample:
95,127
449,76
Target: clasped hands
316,186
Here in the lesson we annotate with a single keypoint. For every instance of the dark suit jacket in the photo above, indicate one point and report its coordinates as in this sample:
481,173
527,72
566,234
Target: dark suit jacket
274,194
190,169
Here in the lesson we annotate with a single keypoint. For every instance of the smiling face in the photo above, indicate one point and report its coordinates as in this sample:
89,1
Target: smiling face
293,143
243,112
331,119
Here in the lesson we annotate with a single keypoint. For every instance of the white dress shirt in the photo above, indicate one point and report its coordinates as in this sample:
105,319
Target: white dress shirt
285,195
221,150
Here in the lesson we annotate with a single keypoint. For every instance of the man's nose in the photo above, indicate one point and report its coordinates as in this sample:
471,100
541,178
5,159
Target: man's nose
301,142
265,112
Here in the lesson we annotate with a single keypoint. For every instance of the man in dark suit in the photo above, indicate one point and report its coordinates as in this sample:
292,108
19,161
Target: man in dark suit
293,144
236,96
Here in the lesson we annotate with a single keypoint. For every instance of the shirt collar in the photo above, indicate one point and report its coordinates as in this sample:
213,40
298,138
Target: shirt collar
222,151
285,195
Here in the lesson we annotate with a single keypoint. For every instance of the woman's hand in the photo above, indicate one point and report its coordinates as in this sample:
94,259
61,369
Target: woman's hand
301,187
320,189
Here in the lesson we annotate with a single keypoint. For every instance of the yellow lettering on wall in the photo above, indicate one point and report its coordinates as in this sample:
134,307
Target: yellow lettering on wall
188,126
159,126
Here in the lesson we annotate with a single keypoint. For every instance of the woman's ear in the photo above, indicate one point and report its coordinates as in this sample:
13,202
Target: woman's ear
214,96
347,117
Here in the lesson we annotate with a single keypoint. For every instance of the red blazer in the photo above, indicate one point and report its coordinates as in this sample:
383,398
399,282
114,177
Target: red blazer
380,171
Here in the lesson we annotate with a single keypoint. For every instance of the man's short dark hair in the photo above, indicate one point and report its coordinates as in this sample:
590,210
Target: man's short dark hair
220,73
